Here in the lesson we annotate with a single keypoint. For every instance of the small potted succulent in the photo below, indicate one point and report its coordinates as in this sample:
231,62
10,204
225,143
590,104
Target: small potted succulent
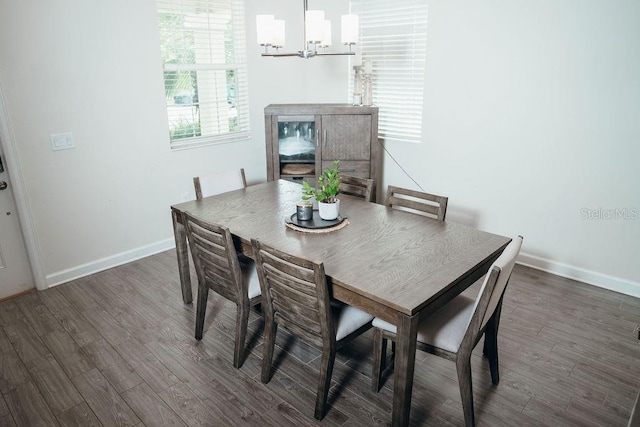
326,192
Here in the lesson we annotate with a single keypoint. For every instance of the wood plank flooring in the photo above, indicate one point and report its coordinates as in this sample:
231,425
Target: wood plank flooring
117,348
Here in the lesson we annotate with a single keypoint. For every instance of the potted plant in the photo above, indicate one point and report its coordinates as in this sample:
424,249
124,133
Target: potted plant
326,192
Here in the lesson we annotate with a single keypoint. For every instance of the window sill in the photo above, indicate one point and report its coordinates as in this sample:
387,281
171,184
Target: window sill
205,141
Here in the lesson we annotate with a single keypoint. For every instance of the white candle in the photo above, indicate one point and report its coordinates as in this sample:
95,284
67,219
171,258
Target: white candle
368,66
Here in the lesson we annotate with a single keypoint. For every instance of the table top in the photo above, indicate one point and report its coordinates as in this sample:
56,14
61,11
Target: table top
396,259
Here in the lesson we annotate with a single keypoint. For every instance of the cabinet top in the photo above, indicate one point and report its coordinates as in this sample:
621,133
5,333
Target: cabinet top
275,109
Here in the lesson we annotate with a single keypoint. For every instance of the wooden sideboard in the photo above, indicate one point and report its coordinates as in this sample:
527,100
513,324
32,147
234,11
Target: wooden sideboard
303,139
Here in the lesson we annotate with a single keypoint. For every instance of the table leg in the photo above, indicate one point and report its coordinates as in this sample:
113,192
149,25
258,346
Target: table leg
180,235
404,367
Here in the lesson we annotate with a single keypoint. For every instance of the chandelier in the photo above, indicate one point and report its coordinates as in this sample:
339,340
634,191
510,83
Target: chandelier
317,34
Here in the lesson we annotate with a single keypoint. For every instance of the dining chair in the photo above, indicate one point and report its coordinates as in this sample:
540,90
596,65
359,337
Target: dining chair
217,183
296,297
417,202
220,269
358,187
453,331
634,418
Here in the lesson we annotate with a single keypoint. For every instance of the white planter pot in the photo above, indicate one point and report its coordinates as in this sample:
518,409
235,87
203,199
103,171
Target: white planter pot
329,211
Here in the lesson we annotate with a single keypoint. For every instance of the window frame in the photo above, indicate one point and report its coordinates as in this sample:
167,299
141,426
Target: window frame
202,48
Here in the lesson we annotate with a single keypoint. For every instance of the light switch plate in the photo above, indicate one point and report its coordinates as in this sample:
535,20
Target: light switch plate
62,141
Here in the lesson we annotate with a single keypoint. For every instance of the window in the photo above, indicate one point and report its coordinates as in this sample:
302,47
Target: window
393,35
205,70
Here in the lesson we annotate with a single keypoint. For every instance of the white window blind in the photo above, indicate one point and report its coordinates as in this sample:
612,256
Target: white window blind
393,35
205,70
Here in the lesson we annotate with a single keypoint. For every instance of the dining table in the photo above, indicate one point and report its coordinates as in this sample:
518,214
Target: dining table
393,264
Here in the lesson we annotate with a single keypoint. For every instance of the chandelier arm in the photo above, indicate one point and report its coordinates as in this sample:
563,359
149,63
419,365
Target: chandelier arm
334,53
283,54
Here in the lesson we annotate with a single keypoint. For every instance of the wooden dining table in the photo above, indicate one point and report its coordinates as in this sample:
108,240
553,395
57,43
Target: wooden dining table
395,265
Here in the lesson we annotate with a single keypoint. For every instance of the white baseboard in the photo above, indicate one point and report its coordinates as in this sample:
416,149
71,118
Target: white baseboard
590,277
109,262
594,278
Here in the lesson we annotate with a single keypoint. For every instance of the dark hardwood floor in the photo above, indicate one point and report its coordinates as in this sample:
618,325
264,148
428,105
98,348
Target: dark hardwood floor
117,348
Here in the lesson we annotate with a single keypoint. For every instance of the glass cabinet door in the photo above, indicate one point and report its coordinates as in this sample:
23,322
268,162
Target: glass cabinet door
297,142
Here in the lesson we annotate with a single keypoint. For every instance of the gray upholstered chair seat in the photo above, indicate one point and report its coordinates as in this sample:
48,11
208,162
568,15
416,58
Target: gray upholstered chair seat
443,329
250,276
347,319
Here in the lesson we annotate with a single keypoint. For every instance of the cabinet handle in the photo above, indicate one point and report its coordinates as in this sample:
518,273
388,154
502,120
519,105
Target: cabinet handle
317,137
324,140
348,170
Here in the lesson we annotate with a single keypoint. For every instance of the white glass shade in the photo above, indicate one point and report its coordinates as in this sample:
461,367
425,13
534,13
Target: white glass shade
349,29
264,29
278,33
315,26
326,35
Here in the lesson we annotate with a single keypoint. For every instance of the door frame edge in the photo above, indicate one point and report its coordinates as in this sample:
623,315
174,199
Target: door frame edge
25,216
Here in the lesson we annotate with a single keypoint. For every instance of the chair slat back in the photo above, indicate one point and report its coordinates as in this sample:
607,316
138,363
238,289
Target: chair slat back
295,293
358,187
418,202
215,258
218,183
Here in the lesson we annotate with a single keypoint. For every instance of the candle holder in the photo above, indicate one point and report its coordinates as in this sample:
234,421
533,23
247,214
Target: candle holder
367,91
304,211
357,85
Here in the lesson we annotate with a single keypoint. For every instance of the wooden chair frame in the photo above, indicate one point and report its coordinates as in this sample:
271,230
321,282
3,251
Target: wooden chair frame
218,268
419,202
358,187
296,297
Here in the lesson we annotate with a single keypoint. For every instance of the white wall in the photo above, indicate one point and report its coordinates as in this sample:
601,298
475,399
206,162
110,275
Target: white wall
93,68
530,116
